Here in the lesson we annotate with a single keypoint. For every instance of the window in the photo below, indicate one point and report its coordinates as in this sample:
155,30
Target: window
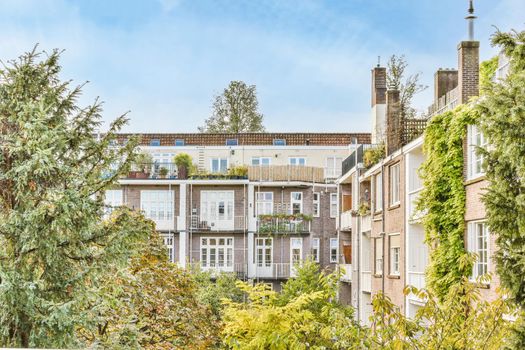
333,205
475,160
378,190
261,161
394,184
298,161
264,203
279,142
232,142
477,242
333,250
296,202
316,242
219,165
333,167
316,204
163,160
217,210
168,242
217,252
296,251
395,246
263,249
112,199
154,142
157,205
179,142
378,246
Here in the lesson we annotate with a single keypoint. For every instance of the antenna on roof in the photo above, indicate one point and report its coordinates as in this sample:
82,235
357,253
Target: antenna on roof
379,61
470,19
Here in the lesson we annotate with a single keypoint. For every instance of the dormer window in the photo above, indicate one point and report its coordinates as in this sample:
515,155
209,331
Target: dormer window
279,142
154,142
232,142
179,142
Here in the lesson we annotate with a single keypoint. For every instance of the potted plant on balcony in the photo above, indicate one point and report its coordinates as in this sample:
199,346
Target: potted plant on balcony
238,172
140,166
184,164
163,172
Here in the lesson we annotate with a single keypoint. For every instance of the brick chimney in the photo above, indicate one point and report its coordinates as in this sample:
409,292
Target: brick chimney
394,122
468,72
444,81
378,104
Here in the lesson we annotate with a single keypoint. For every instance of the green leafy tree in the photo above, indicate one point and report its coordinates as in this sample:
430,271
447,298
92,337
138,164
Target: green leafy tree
502,121
212,291
235,111
54,246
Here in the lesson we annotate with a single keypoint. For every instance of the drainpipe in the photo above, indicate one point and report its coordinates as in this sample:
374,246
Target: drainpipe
358,237
383,231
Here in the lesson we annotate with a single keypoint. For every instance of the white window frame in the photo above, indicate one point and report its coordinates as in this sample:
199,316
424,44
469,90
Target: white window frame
296,244
168,242
264,201
334,250
474,160
219,161
296,201
473,246
378,256
333,205
260,160
395,254
159,206
113,199
260,243
296,161
316,206
334,170
315,249
395,183
209,250
378,192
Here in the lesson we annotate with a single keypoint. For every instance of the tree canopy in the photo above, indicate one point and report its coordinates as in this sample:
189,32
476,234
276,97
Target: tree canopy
235,111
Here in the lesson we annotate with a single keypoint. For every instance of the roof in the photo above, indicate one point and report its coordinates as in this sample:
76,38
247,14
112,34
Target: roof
245,139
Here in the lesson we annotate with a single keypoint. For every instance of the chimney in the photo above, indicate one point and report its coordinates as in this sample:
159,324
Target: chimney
468,62
378,104
444,81
394,122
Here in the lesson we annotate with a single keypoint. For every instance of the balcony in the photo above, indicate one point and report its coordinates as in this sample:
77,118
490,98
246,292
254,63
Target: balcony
366,223
415,215
346,270
240,269
284,224
153,170
269,173
366,281
345,222
273,271
416,279
218,224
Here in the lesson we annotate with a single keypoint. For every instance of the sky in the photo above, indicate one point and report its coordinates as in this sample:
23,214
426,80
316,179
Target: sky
165,60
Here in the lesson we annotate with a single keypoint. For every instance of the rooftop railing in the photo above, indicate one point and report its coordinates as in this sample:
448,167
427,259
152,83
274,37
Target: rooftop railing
269,173
283,224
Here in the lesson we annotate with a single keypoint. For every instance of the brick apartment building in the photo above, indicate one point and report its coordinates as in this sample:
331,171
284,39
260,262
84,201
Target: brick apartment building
258,226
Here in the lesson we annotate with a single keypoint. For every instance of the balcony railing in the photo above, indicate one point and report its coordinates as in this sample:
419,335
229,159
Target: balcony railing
355,157
273,270
416,279
268,173
207,223
346,270
366,281
415,215
155,170
240,269
366,223
346,221
283,224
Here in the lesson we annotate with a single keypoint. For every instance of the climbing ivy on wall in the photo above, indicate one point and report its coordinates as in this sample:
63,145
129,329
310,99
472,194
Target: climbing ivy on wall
443,198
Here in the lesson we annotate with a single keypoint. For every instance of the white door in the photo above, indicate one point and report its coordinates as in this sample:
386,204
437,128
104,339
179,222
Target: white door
217,210
263,257
296,254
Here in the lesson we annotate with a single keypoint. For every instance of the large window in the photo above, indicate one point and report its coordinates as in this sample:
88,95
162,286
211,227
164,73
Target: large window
217,210
395,247
316,204
296,251
334,245
219,165
333,167
261,161
157,205
378,192
296,202
316,248
394,184
263,249
474,158
378,256
333,205
299,161
217,252
112,199
264,203
478,243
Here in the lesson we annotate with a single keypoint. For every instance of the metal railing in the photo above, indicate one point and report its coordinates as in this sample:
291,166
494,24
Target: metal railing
240,269
355,157
345,223
416,279
275,224
225,223
155,170
273,270
346,270
415,215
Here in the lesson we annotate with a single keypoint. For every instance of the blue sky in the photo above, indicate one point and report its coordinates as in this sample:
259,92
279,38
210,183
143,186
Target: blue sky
164,60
